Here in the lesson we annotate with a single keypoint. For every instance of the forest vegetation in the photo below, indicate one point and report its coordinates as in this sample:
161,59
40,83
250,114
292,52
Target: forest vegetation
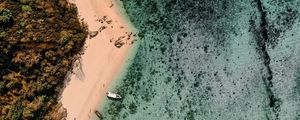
39,42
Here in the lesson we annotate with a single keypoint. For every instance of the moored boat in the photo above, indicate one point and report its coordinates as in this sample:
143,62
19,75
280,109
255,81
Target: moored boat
99,115
113,96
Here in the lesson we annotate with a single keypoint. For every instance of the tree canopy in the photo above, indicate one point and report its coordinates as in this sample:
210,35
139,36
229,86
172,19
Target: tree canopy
39,42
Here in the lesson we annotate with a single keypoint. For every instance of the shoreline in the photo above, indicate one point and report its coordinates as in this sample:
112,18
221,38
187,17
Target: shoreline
102,62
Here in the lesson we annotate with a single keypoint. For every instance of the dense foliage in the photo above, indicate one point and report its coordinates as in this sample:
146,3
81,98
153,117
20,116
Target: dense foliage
39,41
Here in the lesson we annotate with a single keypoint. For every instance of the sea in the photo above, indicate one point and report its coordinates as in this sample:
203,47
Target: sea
211,60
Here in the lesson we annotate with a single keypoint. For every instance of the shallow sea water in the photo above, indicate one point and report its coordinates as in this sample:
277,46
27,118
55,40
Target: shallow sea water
211,60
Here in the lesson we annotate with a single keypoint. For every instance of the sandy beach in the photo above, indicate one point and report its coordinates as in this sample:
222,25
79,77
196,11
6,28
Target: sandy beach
101,62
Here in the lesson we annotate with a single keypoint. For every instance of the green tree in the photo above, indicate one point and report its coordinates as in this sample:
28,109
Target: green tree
5,17
28,113
26,8
15,112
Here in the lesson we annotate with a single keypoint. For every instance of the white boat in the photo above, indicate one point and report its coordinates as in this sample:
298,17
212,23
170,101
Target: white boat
113,95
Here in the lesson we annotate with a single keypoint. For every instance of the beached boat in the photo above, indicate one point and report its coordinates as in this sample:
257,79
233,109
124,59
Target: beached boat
113,96
99,115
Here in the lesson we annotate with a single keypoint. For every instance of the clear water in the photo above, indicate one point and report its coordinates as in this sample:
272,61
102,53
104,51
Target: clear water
200,60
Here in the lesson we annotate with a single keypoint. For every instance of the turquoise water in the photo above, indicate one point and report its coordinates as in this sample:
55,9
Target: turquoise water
211,60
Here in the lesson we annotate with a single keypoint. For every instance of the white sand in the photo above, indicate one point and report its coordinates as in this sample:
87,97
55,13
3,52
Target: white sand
101,62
